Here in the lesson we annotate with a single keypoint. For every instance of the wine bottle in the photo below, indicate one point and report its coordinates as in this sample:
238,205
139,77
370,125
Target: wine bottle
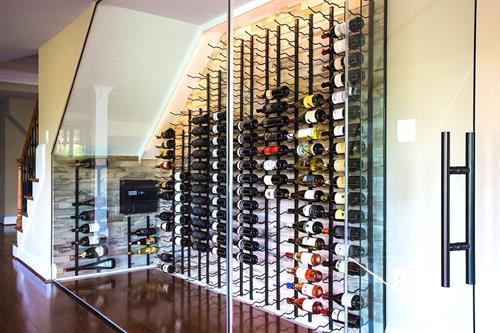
246,151
165,216
218,202
200,166
247,218
169,144
200,189
247,232
200,153
338,81
144,250
200,177
184,242
312,211
353,164
270,165
354,112
341,249
353,130
247,204
304,273
200,211
170,268
246,165
310,149
219,116
309,243
166,257
275,122
276,193
198,143
307,258
198,234
355,147
354,215
169,133
219,239
166,185
339,30
248,138
166,195
167,226
182,219
89,202
279,150
89,241
165,165
218,128
275,107
351,300
218,251
310,101
338,316
200,246
145,241
246,125
353,198
183,209
181,197
219,178
88,228
218,189
276,93
89,215
247,178
200,120
270,180
92,252
310,227
310,180
219,227
313,164
246,258
356,59
339,97
89,163
109,263
199,131
247,191
311,290
308,305
339,266
182,230
356,41
201,200
248,245
144,232
199,223
313,133
218,214
355,233
218,141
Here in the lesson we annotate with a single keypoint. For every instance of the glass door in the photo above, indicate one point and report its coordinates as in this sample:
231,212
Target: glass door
430,80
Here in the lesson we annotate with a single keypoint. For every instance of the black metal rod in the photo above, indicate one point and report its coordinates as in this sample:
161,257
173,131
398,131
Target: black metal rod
266,201
189,171
331,239
129,239
207,254
219,109
445,209
77,213
242,101
182,169
147,228
296,143
278,200
470,210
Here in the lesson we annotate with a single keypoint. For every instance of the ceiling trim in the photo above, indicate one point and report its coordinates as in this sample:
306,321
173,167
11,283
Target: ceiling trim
10,76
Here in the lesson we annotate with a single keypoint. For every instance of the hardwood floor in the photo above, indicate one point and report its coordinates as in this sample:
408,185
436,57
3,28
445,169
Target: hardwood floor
28,305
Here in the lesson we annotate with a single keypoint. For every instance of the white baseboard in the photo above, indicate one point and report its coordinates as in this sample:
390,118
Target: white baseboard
9,220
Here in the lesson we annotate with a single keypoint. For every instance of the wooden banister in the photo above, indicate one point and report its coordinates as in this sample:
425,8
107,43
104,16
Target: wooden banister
26,167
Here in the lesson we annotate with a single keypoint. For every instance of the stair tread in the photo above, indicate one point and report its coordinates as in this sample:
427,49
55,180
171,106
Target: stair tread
34,180
28,197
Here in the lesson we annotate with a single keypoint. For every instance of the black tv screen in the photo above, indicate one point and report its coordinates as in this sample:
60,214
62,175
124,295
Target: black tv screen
138,196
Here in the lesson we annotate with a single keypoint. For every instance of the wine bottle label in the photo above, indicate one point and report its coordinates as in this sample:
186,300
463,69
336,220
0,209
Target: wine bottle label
310,117
178,208
214,189
269,165
309,241
339,214
178,229
214,177
215,165
340,29
306,258
340,46
214,152
339,198
178,187
338,315
308,227
339,165
214,201
340,147
214,129
306,210
99,251
215,116
269,193
214,226
340,266
302,149
346,299
338,80
308,304
268,180
300,272
164,268
339,249
340,182
177,219
269,94
338,130
177,240
338,114
305,133
339,97
177,176
307,289
214,213
214,251
178,197
338,63
94,240
308,194
308,101
94,227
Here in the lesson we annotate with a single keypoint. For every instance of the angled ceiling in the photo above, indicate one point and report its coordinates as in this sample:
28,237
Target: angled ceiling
26,25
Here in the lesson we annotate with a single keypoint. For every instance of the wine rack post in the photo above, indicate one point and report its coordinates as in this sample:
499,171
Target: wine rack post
97,199
183,138
278,200
295,144
251,78
189,171
174,159
266,200
330,163
77,215
147,255
207,171
219,110
241,115
129,239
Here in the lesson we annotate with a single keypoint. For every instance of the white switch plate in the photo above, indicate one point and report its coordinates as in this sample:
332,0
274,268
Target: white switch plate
407,130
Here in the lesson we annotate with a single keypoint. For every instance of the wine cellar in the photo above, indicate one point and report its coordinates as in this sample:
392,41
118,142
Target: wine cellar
304,231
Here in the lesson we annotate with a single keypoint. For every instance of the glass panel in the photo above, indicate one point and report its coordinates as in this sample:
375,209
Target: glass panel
126,191
427,93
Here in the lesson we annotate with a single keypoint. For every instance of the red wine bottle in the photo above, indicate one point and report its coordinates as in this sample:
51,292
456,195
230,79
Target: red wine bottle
275,93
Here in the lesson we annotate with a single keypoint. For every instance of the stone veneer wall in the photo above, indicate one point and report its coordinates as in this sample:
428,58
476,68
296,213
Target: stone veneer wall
119,167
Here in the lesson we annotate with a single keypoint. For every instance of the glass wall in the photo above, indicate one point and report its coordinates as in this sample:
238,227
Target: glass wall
257,173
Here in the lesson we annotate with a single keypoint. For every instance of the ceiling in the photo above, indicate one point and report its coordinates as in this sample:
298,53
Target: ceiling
26,25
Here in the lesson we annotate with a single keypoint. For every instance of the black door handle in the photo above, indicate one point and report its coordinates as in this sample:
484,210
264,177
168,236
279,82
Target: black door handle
469,245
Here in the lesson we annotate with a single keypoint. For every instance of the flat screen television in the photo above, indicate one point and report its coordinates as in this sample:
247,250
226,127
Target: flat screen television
138,196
